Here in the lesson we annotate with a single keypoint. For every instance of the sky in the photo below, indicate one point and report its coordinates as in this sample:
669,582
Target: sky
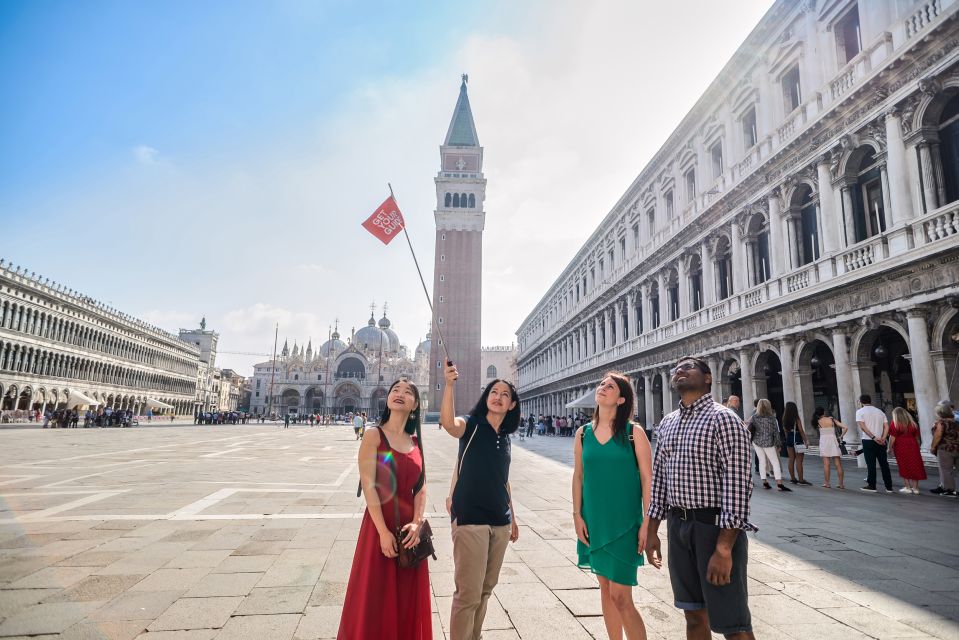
181,160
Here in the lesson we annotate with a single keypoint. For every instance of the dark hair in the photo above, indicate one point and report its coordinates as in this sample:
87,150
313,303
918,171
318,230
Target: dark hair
624,411
790,416
699,362
412,427
865,398
511,421
816,415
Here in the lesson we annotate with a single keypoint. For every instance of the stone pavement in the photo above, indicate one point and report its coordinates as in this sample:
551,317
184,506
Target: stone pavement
248,532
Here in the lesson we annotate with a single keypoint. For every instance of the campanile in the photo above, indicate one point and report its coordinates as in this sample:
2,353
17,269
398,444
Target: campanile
458,261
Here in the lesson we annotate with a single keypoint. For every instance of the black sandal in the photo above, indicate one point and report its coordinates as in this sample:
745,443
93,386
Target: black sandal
766,485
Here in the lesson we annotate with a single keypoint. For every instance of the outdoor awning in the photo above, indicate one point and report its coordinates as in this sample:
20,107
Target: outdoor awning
78,398
156,404
586,401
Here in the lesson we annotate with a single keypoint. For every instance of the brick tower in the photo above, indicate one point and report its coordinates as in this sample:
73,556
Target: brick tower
458,263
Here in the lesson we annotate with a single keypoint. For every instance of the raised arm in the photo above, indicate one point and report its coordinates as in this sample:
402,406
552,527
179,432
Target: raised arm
454,426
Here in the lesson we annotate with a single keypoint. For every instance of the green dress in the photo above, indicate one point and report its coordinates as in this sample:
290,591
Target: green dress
612,508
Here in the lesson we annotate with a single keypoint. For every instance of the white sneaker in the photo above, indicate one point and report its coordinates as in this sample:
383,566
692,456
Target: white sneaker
905,490
915,492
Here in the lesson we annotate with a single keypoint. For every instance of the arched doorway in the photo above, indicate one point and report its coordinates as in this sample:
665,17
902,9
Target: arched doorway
769,380
290,401
313,400
10,398
817,383
949,149
378,401
347,399
884,370
24,402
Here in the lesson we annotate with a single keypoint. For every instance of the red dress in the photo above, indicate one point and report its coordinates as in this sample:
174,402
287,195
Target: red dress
907,453
384,602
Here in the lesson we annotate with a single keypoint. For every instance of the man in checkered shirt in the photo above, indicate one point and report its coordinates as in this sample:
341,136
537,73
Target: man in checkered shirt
702,482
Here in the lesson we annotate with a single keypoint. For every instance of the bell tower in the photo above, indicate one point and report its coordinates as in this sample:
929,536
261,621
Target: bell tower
458,261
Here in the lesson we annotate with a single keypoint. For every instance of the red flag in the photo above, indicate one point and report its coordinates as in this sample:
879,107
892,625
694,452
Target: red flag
386,222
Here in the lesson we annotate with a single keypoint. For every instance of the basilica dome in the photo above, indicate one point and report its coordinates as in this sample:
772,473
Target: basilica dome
423,348
394,340
370,338
333,343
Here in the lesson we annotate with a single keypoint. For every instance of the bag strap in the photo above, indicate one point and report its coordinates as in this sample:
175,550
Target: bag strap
629,437
392,462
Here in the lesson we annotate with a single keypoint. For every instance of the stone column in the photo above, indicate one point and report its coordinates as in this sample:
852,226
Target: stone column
844,384
849,219
620,327
776,253
930,193
792,233
648,392
923,375
631,313
684,302
751,278
900,209
607,328
937,171
746,377
788,373
831,229
716,367
647,308
709,275
667,394
739,264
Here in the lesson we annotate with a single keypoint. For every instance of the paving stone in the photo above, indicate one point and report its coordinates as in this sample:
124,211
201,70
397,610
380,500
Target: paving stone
171,580
273,600
104,630
566,578
197,559
196,613
136,605
93,588
319,623
53,578
261,548
274,627
46,618
224,584
329,593
283,575
245,564
14,600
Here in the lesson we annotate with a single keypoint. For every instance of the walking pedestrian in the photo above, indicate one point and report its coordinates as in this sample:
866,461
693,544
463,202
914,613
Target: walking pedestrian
831,433
904,441
611,482
358,424
480,500
286,421
873,429
796,442
702,483
764,432
945,446
384,600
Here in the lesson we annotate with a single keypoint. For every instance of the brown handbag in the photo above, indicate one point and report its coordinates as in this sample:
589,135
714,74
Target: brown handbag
408,558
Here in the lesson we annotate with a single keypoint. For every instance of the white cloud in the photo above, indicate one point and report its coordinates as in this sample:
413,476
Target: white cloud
145,154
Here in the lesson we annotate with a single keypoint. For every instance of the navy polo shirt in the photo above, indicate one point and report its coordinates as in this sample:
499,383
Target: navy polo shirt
481,496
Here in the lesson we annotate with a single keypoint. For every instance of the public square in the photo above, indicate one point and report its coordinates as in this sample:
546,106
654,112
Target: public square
248,531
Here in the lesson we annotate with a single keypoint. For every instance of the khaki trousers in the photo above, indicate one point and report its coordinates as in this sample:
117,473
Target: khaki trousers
478,552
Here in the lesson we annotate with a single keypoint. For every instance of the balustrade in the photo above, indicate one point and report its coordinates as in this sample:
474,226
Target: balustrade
922,18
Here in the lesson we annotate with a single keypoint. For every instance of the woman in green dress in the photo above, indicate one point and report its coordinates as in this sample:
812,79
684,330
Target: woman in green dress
611,485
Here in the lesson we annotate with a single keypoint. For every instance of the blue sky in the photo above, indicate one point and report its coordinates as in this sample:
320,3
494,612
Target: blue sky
181,159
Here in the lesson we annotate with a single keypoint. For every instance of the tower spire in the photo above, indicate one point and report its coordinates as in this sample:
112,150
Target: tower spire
462,131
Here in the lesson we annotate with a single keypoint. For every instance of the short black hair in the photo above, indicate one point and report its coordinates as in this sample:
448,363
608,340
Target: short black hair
699,362
865,398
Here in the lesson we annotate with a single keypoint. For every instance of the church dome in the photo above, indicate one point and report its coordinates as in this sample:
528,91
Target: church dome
333,343
393,344
423,348
370,338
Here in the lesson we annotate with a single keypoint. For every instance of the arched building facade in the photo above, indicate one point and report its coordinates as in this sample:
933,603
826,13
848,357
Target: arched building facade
60,349
799,230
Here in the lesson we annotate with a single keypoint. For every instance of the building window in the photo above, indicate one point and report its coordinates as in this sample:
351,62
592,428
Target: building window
792,92
442,278
441,320
257,394
296,376
441,298
669,203
456,200
750,137
612,260
448,201
491,371
651,221
635,236
848,39
690,177
442,258
472,201
716,156
320,378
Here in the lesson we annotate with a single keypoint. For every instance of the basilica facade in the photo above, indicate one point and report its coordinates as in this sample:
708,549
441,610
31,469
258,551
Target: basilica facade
799,229
341,376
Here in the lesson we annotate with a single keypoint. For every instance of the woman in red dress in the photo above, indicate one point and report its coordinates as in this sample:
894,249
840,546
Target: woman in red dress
904,440
383,601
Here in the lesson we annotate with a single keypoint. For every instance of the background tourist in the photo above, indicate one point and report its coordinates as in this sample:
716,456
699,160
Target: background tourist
945,446
904,441
795,443
611,483
873,429
481,513
831,432
764,431
384,600
705,491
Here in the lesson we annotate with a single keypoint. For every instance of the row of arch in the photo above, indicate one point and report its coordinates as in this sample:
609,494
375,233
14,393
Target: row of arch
26,319
460,201
898,364
30,360
25,397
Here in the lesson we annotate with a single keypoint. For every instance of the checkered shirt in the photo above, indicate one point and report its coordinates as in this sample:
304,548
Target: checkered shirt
702,460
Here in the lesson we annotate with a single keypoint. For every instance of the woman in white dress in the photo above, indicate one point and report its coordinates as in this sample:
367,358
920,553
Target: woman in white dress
831,432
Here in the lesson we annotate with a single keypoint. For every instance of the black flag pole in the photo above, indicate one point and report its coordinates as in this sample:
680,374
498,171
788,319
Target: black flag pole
436,325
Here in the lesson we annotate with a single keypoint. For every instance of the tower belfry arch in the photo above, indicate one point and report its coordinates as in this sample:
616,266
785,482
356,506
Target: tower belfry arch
458,262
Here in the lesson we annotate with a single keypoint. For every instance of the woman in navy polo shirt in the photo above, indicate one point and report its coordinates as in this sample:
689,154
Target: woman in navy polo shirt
480,502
